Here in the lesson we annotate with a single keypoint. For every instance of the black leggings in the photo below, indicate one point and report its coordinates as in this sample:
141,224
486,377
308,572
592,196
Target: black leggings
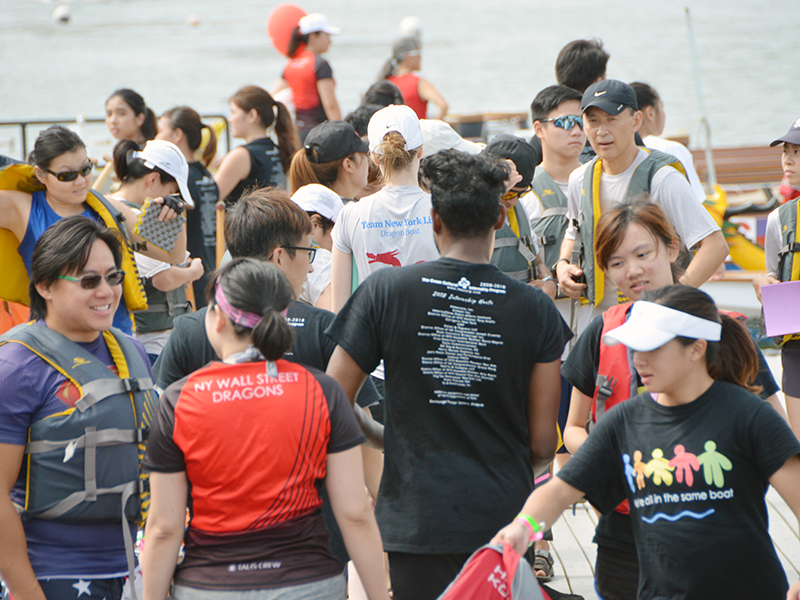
616,574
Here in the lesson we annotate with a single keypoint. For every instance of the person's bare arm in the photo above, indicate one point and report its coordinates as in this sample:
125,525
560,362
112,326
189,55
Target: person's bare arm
356,520
786,481
349,375
175,277
15,209
327,95
341,278
325,298
164,532
544,393
15,566
545,504
580,406
235,167
429,93
711,253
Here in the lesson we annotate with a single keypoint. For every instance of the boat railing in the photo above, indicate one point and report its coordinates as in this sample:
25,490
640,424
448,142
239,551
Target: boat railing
15,135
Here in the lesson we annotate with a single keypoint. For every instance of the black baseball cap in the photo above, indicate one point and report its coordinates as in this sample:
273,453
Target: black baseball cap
792,136
519,151
609,95
333,140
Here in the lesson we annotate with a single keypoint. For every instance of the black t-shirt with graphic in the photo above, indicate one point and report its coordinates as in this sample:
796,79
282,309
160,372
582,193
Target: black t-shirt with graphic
201,224
695,476
459,342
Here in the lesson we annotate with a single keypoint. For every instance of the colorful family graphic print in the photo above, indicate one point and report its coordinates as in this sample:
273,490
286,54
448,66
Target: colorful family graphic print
683,470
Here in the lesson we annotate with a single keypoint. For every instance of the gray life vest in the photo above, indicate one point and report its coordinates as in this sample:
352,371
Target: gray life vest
514,255
84,464
586,222
552,225
162,307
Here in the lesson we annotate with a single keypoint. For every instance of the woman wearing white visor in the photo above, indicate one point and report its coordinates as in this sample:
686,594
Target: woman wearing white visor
693,455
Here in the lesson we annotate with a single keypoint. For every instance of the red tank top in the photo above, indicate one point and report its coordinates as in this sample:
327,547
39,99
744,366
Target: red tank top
409,87
302,73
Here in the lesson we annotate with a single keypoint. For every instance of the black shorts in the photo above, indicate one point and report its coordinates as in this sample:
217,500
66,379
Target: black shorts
790,359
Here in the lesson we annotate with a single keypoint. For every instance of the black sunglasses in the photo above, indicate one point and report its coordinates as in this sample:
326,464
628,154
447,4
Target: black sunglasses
312,252
71,175
90,282
566,122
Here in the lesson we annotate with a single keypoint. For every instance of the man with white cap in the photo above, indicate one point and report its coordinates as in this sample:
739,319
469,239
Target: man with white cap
310,76
323,205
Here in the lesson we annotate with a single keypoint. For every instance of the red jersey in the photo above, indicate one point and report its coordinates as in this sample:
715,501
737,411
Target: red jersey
409,87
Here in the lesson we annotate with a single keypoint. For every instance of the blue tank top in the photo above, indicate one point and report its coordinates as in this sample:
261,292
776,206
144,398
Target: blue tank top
43,216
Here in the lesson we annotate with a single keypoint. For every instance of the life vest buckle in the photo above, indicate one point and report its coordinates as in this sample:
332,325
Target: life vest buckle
131,385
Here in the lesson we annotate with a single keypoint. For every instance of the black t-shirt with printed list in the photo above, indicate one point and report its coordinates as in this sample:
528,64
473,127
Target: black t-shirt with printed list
695,476
459,342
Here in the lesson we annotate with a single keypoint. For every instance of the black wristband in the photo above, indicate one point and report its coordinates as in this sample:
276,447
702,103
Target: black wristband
175,202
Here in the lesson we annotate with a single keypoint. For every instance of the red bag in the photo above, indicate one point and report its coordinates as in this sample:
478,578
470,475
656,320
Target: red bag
492,573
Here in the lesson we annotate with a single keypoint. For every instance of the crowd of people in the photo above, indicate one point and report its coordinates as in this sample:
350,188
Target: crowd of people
406,331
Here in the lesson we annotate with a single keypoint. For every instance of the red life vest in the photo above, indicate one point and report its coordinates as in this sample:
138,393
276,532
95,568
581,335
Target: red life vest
616,380
408,85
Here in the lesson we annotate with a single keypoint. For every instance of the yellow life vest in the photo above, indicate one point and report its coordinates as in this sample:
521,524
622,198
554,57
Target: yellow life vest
14,280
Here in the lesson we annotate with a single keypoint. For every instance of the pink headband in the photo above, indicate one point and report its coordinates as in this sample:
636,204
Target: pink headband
240,317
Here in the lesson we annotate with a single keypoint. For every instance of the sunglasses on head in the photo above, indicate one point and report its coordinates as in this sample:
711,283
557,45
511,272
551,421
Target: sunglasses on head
90,282
566,122
71,175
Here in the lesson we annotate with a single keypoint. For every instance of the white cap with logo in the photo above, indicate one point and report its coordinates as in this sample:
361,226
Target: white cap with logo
168,157
317,22
401,119
319,199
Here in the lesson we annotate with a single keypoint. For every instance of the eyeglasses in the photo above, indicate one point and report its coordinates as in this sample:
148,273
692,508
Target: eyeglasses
566,122
312,252
90,282
71,175
511,194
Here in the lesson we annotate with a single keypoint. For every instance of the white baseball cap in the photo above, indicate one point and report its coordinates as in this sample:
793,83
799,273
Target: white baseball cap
317,22
438,135
319,199
399,118
168,157
652,325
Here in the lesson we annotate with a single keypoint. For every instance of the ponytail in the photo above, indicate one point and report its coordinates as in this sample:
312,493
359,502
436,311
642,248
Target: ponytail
296,42
271,112
389,68
188,120
149,128
123,153
734,358
394,157
256,289
303,172
288,140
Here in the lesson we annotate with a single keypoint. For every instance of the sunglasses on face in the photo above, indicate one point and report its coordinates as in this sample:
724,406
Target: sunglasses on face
312,252
71,175
511,194
566,122
90,282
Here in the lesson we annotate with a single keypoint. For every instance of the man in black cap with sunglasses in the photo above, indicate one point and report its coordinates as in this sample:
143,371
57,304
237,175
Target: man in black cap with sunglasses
515,251
623,171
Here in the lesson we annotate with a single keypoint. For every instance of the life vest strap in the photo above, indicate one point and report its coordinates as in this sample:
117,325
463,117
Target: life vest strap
104,437
605,388
100,389
789,248
556,211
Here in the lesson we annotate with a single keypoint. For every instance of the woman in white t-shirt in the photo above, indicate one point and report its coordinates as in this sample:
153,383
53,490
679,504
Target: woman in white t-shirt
392,227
